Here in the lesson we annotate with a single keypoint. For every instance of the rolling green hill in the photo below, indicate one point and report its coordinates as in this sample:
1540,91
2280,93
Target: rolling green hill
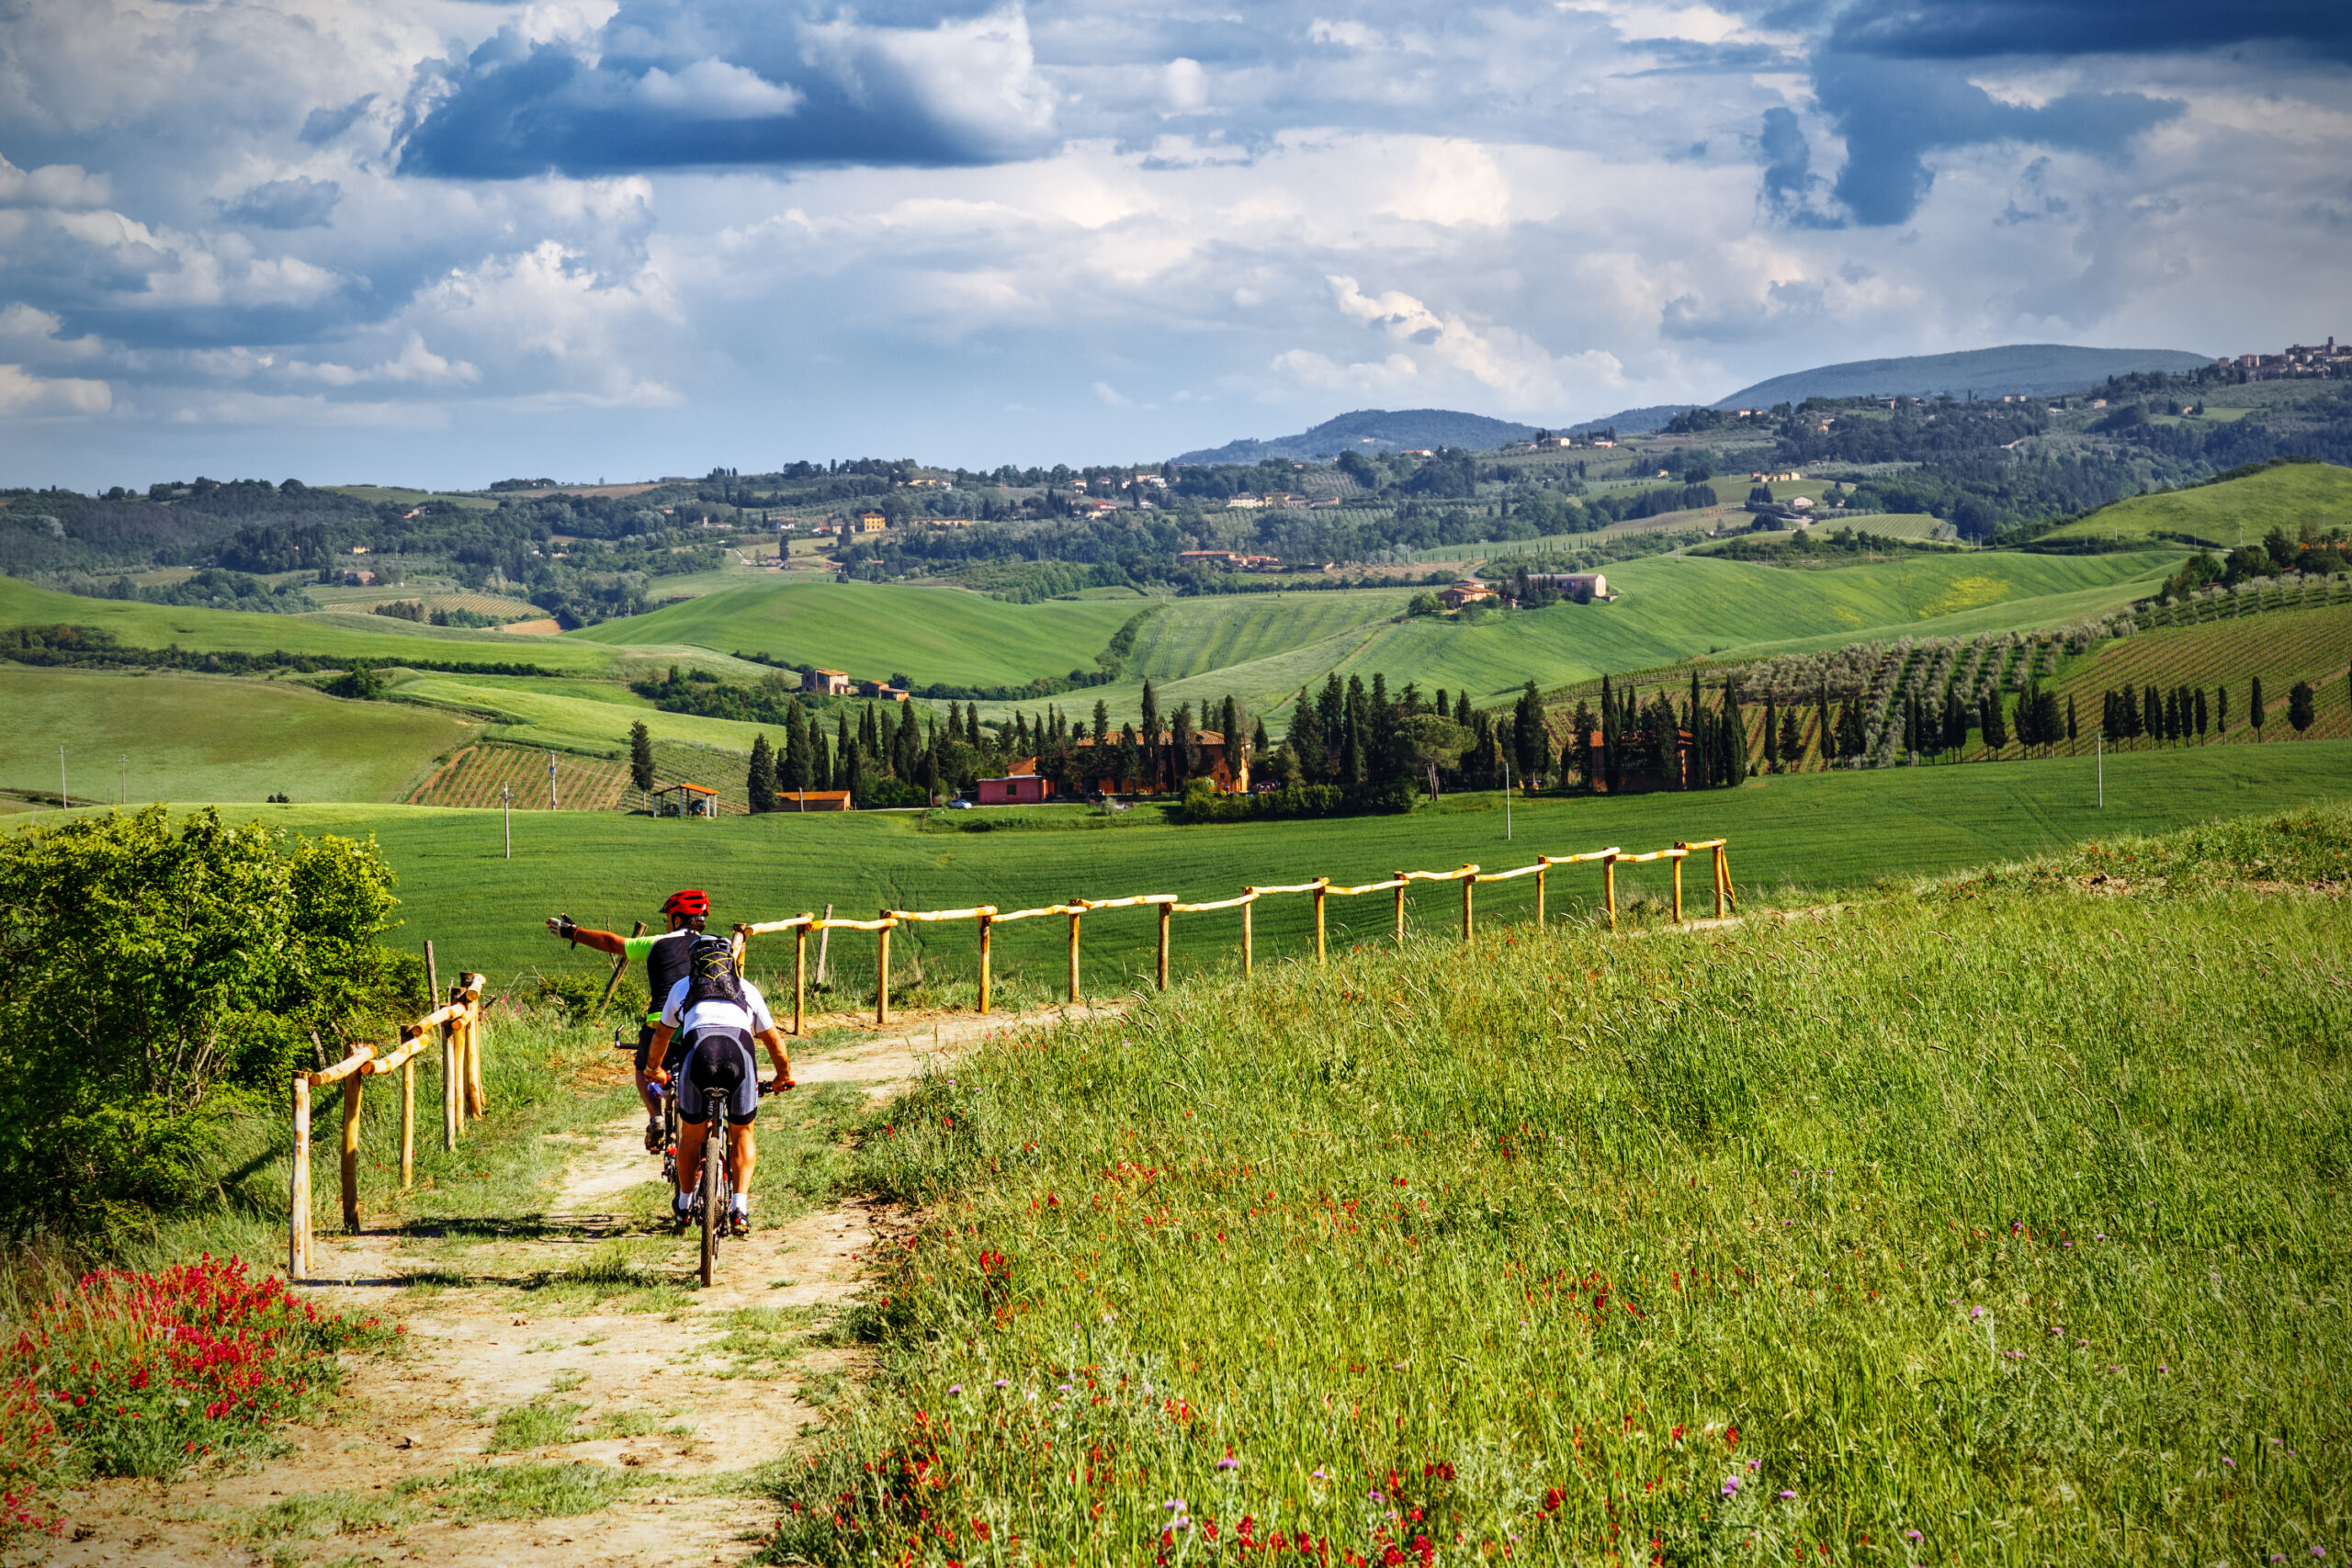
210,737
874,629
328,634
2226,515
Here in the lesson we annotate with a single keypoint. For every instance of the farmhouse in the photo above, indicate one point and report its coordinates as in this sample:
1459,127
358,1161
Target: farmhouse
1469,591
1210,557
1583,587
1015,789
830,683
867,522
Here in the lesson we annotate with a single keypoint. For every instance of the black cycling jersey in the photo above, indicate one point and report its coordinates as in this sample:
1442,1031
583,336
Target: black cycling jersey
667,959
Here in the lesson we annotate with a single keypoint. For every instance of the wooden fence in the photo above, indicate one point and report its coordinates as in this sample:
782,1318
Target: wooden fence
987,916
457,1025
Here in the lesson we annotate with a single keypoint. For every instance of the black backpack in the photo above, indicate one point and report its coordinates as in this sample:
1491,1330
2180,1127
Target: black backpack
710,974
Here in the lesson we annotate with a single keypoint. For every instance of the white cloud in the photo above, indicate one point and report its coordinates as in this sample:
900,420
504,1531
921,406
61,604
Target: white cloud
713,89
53,184
23,393
1187,87
1112,397
1309,368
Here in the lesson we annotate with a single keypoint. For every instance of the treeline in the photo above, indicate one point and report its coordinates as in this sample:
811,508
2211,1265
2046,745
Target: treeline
96,647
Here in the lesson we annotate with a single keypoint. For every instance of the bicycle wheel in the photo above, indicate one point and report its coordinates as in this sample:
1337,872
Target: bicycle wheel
714,1198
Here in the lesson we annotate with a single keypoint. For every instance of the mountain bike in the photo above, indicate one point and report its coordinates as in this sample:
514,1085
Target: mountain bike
715,1192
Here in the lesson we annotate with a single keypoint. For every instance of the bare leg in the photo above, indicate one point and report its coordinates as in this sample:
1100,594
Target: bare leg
690,1137
745,1153
646,1093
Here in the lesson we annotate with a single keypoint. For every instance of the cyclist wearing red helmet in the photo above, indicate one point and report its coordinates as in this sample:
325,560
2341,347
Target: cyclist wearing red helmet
665,964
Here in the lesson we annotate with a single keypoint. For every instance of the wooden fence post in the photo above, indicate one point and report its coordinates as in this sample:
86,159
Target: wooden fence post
882,974
297,1209
451,1099
351,1087
1400,880
1724,903
1677,863
1164,911
621,967
1321,883
1246,954
477,1102
432,973
1469,880
1539,894
1608,888
1076,905
409,1032
987,922
799,979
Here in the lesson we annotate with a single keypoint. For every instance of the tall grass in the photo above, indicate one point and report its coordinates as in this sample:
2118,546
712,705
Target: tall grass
1988,1222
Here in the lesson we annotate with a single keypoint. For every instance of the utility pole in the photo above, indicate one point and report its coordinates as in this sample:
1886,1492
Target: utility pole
551,781
507,799
2099,747
1505,800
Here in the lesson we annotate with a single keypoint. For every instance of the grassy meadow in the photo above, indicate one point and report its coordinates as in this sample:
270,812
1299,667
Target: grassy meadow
1795,838
2225,515
1987,1223
185,737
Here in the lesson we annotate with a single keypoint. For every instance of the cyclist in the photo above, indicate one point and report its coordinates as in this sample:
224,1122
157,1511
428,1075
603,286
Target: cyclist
665,964
714,1015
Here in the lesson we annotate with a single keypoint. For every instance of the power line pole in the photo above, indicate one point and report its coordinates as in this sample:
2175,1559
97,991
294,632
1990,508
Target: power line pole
507,799
1505,800
551,781
2099,747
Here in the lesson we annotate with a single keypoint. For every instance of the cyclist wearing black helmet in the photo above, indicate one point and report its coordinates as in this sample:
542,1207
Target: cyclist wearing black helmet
665,956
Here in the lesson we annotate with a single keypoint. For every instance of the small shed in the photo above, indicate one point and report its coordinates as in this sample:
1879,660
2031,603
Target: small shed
685,800
812,800
1016,789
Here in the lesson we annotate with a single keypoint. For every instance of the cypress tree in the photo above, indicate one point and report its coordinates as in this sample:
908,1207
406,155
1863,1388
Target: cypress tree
1610,765
1151,737
2072,735
641,757
1829,743
2201,712
1792,740
1462,708
1258,741
799,757
2220,710
2300,708
843,752
1304,740
2151,713
759,784
2254,715
1772,750
1331,715
1530,740
1102,724
1734,747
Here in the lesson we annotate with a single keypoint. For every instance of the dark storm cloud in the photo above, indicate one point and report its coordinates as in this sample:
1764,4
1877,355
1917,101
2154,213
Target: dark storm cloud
668,86
1970,29
1894,113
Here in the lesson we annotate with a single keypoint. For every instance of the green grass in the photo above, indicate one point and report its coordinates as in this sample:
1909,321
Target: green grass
1823,832
581,715
1996,1223
328,634
874,630
2285,497
190,738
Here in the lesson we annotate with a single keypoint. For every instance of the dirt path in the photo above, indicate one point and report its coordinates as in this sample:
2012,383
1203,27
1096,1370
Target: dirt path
675,1393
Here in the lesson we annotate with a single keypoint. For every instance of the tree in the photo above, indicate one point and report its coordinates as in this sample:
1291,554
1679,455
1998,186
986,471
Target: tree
1612,763
2073,734
2220,710
1792,740
1151,737
1331,724
799,767
1235,753
2253,713
1994,722
1734,748
1303,739
759,784
1771,734
1955,721
1528,739
2300,707
1258,739
641,757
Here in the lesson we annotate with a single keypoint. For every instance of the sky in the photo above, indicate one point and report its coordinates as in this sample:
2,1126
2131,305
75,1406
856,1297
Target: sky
448,241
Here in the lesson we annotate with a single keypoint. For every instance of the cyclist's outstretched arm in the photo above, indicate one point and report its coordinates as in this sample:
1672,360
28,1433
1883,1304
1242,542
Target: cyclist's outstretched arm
602,942
774,1040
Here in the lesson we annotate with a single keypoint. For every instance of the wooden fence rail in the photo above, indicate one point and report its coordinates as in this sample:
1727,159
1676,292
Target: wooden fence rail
986,918
459,1024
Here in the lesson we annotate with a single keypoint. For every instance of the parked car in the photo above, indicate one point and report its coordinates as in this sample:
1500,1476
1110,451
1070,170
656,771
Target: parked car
959,803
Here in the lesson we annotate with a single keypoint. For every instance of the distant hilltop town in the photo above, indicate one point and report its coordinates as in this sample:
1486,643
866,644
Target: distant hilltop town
2301,359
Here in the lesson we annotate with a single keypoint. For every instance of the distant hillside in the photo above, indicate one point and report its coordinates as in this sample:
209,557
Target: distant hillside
1633,422
1372,429
2221,515
2037,368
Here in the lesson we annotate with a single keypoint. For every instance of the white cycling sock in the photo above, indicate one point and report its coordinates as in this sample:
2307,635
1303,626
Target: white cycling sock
743,1202
681,1202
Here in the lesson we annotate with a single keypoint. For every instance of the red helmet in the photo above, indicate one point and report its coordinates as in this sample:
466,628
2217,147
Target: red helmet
692,902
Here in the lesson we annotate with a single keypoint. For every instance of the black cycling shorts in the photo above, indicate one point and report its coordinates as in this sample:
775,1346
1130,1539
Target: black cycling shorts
644,1044
718,1067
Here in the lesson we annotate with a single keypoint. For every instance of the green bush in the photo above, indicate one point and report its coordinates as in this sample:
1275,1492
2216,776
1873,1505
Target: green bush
1203,804
155,981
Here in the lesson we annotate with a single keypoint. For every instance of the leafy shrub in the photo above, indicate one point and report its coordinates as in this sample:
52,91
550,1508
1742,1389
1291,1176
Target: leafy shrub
1203,804
155,981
